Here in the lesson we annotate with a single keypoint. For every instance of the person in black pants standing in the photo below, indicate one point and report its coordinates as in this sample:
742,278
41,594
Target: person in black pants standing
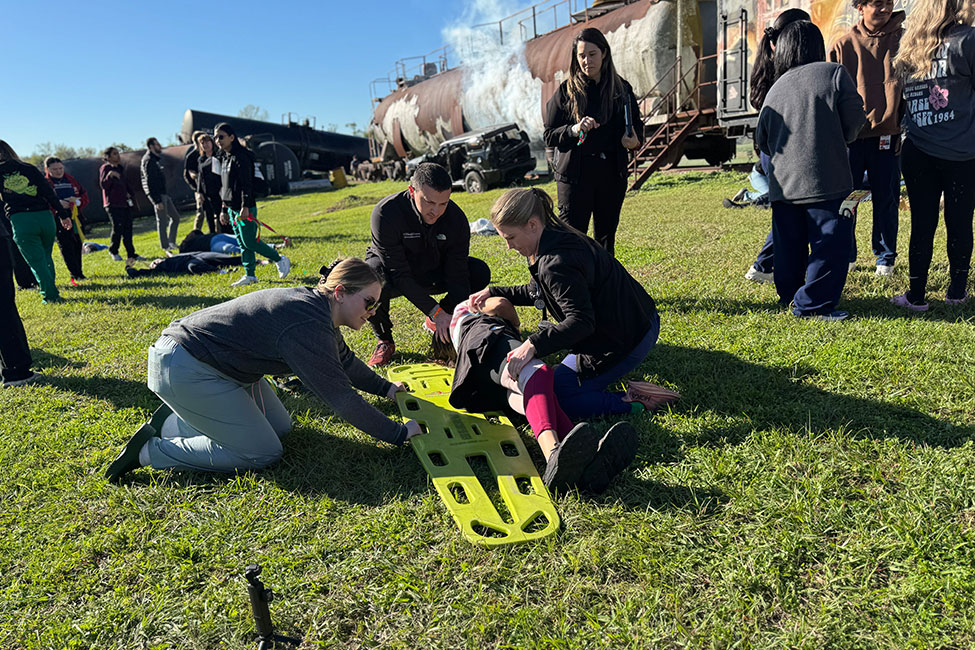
208,185
117,199
15,359
938,158
586,123
420,243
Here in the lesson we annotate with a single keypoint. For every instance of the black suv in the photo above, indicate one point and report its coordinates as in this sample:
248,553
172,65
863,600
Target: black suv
496,156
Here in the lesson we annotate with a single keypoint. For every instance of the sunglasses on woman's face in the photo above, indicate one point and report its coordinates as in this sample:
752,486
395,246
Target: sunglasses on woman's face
370,304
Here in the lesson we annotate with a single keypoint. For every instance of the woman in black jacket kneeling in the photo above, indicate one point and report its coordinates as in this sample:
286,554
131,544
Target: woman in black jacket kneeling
606,320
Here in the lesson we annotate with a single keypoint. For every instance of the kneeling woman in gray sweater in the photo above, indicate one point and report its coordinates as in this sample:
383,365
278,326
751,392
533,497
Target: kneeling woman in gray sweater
810,114
209,369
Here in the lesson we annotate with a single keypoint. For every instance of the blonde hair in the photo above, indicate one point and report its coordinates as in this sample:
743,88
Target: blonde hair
925,30
516,206
352,273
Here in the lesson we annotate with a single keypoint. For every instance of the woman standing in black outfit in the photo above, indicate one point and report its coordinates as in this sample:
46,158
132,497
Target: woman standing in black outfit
586,123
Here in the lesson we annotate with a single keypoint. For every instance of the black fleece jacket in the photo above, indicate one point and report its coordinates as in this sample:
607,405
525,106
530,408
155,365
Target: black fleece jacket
237,178
23,188
602,312
153,177
415,254
604,140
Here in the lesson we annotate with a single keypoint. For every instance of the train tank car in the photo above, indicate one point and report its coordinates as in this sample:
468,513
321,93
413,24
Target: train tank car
315,149
512,83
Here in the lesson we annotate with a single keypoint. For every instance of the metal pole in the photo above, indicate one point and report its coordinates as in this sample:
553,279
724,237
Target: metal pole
680,51
501,31
534,24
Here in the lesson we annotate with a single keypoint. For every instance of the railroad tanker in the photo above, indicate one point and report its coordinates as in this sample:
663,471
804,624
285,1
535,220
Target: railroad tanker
679,55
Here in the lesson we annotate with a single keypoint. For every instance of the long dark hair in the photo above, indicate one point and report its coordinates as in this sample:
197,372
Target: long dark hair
229,130
610,84
799,43
7,152
763,72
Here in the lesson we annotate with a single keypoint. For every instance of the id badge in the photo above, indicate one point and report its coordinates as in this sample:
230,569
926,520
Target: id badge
884,142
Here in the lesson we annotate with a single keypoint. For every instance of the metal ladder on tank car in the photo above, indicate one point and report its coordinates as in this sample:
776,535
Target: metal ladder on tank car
670,119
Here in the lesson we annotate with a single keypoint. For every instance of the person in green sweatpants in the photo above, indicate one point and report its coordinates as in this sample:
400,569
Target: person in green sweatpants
34,234
236,169
247,231
28,201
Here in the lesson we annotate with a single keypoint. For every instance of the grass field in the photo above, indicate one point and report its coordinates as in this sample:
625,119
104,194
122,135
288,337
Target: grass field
813,489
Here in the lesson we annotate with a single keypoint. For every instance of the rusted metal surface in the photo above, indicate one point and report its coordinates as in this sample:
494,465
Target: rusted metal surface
642,36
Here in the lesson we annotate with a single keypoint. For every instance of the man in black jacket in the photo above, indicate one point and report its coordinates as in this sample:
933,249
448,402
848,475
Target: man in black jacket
154,185
421,243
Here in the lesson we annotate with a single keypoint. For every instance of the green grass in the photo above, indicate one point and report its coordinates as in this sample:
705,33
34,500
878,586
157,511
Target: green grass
813,489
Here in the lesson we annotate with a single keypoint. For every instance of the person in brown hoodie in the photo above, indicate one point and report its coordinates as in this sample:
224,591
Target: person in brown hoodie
867,52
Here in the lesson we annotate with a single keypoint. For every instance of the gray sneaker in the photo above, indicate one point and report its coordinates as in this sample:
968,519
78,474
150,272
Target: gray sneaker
244,281
34,377
116,257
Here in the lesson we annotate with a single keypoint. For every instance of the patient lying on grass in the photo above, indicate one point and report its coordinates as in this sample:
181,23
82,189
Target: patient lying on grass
575,455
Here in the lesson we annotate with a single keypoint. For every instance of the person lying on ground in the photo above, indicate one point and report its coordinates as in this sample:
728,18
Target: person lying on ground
186,264
209,369
197,242
574,455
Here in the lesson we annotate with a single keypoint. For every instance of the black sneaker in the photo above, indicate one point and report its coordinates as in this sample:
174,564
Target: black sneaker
570,458
128,458
616,451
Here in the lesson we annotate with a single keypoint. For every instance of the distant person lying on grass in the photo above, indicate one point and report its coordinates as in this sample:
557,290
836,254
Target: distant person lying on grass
197,242
574,455
209,368
186,263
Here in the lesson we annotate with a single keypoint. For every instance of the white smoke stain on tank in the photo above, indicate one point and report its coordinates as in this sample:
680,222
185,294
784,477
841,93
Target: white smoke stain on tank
405,111
497,85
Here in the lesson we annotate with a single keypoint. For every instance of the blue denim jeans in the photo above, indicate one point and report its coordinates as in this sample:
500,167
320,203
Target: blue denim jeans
585,398
812,244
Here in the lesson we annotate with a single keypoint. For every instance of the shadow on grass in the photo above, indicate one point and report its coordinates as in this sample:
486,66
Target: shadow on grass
768,397
176,302
316,464
121,393
638,494
45,360
859,307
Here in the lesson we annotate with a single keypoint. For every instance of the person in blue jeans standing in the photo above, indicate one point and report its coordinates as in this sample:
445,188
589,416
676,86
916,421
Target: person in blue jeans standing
810,114
867,52
606,319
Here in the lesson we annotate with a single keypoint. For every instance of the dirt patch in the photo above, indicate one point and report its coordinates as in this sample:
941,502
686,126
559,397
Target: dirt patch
352,201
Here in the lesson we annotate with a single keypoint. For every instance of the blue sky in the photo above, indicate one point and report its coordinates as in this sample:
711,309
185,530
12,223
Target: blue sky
92,73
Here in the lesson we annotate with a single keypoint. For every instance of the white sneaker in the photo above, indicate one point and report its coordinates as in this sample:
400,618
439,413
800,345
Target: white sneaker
852,267
116,257
244,281
885,270
284,267
756,276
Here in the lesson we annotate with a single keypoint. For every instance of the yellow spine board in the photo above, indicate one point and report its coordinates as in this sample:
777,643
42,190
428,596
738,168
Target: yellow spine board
452,438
